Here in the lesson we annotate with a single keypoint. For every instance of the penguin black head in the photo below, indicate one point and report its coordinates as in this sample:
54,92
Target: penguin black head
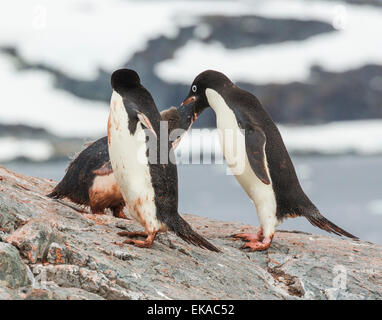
123,79
208,79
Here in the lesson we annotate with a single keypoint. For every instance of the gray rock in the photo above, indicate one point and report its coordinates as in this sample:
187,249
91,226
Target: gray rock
34,240
80,256
13,272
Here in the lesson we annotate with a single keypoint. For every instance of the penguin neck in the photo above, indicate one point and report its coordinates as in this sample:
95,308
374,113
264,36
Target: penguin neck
215,100
225,117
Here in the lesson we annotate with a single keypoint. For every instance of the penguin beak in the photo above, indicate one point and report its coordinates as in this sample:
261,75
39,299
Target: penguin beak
188,100
188,113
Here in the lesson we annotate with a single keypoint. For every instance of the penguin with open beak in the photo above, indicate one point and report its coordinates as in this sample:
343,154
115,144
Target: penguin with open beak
148,185
256,156
89,179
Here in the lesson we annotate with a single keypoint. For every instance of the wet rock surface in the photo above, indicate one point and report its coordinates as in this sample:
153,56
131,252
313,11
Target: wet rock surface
50,251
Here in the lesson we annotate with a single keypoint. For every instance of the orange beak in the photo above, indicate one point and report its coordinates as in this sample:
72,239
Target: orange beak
188,100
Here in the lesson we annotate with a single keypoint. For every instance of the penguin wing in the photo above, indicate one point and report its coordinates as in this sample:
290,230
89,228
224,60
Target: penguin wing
145,122
133,111
255,141
105,170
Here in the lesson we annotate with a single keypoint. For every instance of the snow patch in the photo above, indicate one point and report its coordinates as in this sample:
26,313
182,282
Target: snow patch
81,36
291,60
37,150
362,137
29,98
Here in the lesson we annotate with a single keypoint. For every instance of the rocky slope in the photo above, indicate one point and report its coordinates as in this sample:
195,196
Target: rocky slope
51,250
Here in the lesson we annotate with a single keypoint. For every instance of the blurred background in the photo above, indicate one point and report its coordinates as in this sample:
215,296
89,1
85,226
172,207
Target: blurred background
315,65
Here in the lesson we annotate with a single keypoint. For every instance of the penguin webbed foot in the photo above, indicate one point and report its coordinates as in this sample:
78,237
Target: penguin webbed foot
250,236
147,243
255,242
258,245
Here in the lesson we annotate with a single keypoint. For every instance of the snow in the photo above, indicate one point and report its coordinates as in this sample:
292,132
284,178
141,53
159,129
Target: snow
81,36
355,43
12,148
362,137
30,99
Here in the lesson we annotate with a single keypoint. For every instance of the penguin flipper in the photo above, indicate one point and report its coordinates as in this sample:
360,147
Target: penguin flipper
145,122
255,141
105,170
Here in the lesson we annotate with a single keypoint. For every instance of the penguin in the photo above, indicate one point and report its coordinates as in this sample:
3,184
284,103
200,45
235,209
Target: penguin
89,181
257,157
148,185
89,178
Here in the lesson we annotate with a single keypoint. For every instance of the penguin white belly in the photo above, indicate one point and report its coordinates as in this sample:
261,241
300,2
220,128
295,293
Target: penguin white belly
233,145
130,166
105,188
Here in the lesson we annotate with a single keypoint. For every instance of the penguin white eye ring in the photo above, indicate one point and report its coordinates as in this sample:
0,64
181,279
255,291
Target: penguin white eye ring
194,88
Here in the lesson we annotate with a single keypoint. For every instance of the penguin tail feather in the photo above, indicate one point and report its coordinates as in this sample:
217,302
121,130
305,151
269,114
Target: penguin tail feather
318,220
55,194
60,190
183,230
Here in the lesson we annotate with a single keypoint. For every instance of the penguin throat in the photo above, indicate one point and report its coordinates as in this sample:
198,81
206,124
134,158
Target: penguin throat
215,100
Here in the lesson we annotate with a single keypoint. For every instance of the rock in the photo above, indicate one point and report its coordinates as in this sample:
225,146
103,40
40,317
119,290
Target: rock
236,32
13,271
318,100
71,255
57,293
35,240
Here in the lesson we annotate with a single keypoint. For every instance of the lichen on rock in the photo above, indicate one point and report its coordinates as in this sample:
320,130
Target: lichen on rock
48,250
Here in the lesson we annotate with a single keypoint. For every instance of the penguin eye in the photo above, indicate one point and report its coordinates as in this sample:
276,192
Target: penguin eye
194,88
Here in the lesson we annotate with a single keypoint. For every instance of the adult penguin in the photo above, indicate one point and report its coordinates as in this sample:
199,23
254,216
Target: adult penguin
255,152
148,185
